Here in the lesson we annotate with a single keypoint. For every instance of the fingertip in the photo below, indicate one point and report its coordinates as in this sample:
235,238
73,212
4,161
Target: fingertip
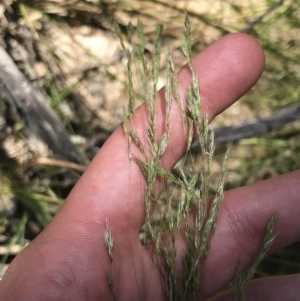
248,53
227,69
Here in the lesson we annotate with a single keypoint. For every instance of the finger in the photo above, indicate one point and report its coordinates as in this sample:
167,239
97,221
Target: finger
285,288
242,224
112,188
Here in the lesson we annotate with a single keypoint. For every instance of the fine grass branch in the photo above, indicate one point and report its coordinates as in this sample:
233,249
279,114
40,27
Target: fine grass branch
243,277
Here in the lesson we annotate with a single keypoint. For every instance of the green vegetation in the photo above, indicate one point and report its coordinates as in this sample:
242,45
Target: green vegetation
193,196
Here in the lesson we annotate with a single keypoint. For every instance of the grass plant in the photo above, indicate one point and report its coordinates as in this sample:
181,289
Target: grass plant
194,186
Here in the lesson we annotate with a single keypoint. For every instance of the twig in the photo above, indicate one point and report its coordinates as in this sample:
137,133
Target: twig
259,18
30,105
254,127
59,163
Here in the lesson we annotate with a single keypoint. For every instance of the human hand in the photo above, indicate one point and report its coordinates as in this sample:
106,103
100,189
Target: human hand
69,260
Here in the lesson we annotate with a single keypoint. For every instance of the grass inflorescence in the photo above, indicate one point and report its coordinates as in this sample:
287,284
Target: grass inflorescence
198,226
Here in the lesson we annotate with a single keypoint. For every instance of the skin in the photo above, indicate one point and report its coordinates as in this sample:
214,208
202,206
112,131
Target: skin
69,261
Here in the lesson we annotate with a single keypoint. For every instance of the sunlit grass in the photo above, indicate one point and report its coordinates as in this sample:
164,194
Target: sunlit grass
194,186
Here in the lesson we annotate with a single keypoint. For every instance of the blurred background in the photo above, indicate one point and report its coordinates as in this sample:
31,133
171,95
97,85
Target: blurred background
64,89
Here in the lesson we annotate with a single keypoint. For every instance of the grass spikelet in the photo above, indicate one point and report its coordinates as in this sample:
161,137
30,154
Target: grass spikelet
109,243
